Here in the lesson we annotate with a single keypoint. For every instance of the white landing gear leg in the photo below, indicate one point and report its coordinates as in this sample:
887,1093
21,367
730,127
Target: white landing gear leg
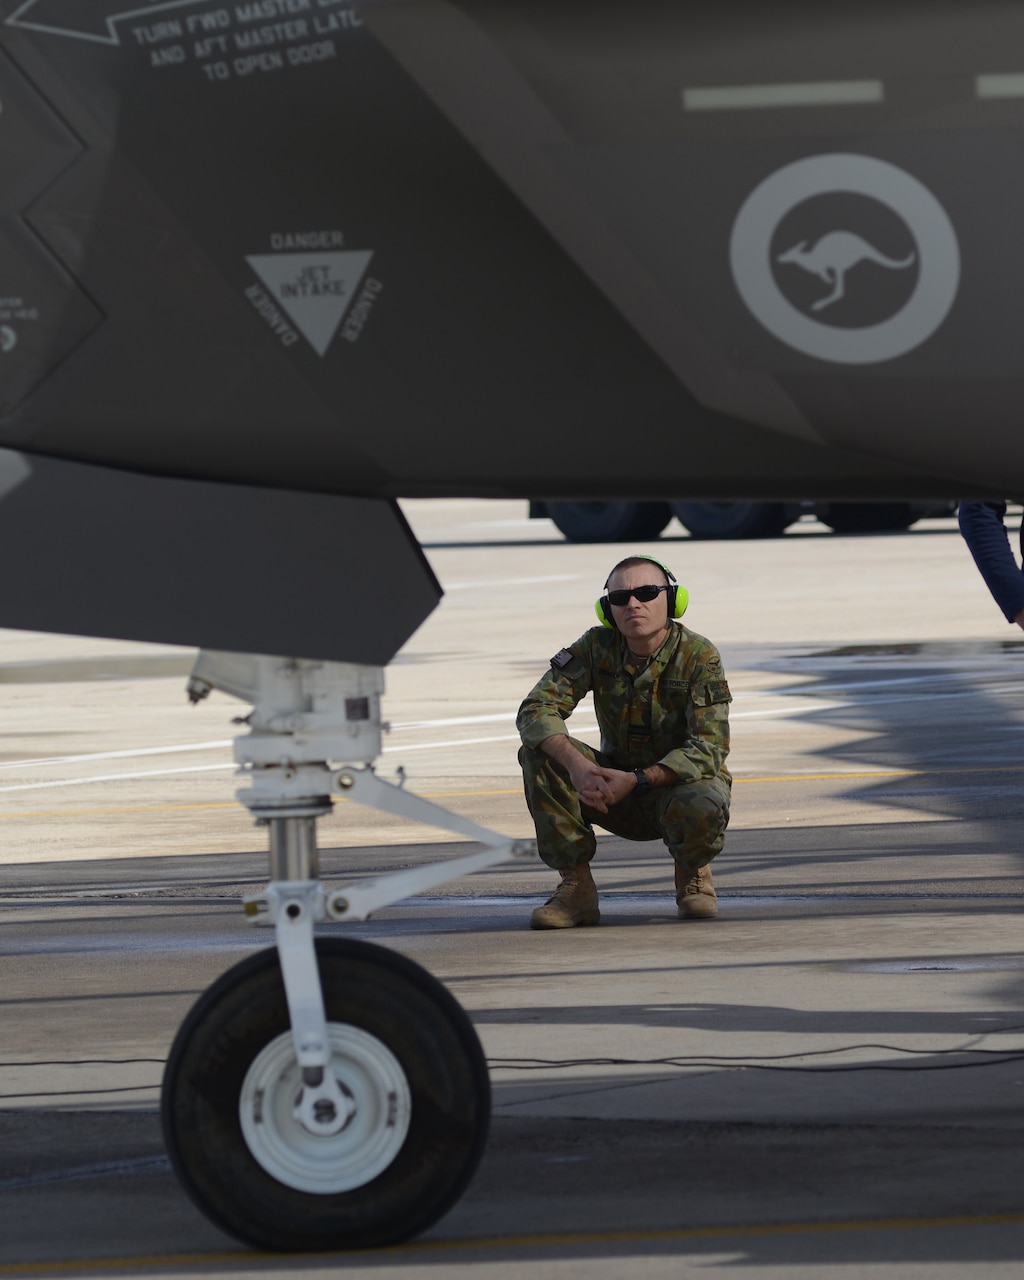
331,1094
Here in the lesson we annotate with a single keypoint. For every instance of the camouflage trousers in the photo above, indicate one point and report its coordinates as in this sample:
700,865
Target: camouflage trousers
690,818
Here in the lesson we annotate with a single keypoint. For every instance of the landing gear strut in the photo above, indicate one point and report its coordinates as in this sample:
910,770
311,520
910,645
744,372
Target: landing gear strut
330,1094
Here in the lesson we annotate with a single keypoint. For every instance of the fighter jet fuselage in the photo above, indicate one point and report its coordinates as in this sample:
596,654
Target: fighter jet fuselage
530,249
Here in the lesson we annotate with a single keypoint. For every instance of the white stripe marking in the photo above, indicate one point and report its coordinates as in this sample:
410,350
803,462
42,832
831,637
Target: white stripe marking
745,97
119,755
116,777
1009,85
210,768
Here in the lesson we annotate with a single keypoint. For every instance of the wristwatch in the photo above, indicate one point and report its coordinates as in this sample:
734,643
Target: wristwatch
642,785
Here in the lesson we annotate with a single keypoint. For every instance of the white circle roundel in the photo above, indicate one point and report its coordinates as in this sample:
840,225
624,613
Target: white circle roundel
937,252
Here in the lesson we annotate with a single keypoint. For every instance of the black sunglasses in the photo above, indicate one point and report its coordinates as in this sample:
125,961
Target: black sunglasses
644,594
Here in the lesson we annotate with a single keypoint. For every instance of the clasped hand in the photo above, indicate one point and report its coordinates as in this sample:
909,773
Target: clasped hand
599,788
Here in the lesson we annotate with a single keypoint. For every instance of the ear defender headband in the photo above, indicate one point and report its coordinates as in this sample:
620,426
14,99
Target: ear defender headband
677,597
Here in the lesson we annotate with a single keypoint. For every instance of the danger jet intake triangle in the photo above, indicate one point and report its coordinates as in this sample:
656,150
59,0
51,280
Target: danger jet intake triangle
313,289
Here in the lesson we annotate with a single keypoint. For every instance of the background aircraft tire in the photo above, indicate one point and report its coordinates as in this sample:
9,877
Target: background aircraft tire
733,519
609,521
404,1052
868,517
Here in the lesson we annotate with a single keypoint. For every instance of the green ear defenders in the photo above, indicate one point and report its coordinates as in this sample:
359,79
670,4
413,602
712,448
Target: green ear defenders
676,596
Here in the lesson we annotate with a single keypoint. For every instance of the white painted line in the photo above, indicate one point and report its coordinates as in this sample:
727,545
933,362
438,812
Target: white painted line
817,93
783,712
120,755
219,744
448,744
1007,85
116,777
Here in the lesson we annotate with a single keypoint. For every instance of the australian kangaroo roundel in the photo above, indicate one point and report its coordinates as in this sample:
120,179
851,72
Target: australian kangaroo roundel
846,287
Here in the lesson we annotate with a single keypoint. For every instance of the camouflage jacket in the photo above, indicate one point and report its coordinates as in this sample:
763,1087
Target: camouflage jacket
675,711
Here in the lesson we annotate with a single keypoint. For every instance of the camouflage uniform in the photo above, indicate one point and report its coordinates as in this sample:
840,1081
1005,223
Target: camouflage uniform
674,712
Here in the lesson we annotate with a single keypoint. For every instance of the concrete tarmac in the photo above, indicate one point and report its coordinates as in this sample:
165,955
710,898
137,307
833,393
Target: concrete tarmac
829,1076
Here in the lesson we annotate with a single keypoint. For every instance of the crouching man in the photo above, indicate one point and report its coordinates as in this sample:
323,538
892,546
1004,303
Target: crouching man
662,705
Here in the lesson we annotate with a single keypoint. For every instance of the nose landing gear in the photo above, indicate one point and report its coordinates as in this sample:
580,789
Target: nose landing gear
408,1064
329,1093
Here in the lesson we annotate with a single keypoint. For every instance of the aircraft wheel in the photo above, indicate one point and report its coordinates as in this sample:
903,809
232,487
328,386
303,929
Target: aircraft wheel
609,521
869,517
713,520
409,1066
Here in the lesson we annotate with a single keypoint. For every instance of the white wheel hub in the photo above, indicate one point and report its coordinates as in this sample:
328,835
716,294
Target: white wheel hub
379,1100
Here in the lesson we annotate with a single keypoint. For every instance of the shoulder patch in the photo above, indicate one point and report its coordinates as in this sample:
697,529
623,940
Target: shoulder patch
708,692
713,666
718,691
562,659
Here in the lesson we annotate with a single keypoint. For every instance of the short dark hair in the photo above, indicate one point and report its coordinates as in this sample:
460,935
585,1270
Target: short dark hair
629,563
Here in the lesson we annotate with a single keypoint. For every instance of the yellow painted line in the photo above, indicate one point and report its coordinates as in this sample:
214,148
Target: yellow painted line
566,1239
222,804
713,1233
144,1260
443,795
792,777
142,808
884,773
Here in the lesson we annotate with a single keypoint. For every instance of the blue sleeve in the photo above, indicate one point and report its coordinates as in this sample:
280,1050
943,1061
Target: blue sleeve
981,524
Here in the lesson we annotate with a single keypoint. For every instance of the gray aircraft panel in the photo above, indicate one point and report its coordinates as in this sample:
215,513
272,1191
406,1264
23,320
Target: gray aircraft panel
350,149
469,248
95,551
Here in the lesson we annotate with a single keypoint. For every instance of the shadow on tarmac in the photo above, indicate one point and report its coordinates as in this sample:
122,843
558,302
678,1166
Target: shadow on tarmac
947,717
564,1188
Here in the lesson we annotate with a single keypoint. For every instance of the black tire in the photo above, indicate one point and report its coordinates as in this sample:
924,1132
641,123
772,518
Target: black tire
868,517
610,521
390,1001
709,520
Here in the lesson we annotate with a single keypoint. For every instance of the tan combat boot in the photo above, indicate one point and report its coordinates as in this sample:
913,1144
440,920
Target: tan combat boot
573,902
695,894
